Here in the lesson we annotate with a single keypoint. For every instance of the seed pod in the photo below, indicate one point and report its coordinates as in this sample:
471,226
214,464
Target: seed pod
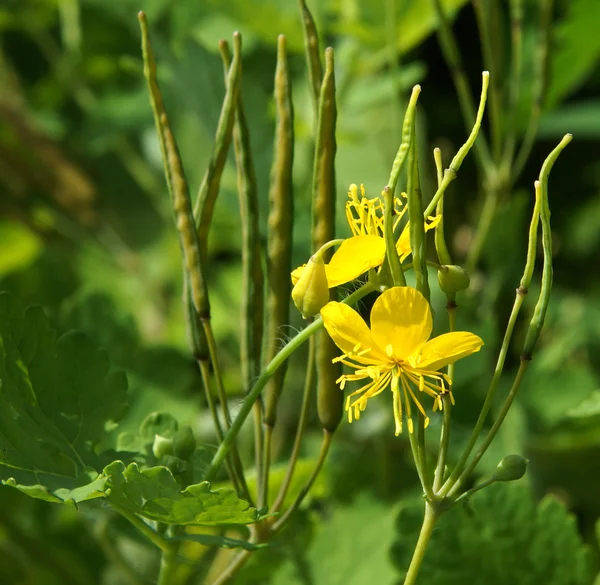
281,227
311,50
330,407
252,274
511,468
453,279
311,292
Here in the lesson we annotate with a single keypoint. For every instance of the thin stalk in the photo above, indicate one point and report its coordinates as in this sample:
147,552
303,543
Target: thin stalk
419,466
152,535
453,58
440,467
302,421
520,297
391,255
451,172
466,495
325,445
232,569
426,531
422,451
263,486
264,377
494,430
222,394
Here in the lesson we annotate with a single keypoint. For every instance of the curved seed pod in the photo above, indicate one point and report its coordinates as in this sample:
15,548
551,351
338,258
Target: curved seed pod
180,196
252,272
209,188
311,49
330,400
539,313
281,226
418,242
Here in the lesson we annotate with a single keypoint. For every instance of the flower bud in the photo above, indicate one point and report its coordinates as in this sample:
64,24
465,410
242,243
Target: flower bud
311,293
511,468
162,446
184,443
452,279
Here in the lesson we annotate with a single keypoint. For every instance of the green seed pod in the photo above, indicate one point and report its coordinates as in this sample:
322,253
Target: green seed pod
453,278
162,446
311,292
184,443
511,468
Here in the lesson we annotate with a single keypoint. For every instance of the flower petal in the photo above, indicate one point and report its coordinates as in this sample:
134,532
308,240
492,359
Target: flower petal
296,274
351,334
401,319
354,257
448,348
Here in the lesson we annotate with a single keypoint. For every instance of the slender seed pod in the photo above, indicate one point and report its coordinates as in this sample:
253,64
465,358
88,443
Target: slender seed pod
330,400
311,49
539,313
441,247
252,272
281,226
418,242
180,196
209,188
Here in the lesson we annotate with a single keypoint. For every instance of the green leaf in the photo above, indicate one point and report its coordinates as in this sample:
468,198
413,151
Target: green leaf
56,399
155,494
503,537
351,548
221,541
576,48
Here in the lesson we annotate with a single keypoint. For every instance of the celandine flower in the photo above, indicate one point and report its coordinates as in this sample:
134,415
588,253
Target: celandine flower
396,352
366,248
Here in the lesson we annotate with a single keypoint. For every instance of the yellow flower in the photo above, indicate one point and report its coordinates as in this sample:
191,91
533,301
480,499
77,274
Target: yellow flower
395,352
366,248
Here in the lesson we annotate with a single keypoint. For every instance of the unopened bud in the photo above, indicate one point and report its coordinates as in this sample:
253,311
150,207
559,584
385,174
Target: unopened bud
311,293
162,446
511,468
184,443
453,278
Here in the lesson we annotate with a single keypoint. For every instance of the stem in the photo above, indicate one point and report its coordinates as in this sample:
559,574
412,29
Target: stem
495,427
424,536
302,421
444,442
520,297
238,562
236,461
326,443
168,566
262,472
416,453
146,530
263,491
422,451
266,374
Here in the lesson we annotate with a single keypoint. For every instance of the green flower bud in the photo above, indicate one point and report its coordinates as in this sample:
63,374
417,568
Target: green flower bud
511,468
184,443
311,293
452,279
162,446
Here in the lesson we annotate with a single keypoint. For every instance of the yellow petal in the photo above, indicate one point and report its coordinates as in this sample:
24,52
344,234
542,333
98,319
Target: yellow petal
351,334
297,273
448,348
401,321
354,257
403,244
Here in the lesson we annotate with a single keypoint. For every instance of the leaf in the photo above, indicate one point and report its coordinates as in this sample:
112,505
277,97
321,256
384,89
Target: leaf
576,48
221,541
56,398
351,548
154,494
580,118
504,538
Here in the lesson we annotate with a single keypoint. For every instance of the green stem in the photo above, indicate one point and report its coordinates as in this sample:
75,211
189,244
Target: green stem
419,466
494,430
424,536
391,254
325,445
466,495
168,566
149,532
520,297
444,442
266,374
302,421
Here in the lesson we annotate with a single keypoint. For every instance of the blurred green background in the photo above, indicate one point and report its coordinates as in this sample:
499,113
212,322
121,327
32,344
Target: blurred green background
86,231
